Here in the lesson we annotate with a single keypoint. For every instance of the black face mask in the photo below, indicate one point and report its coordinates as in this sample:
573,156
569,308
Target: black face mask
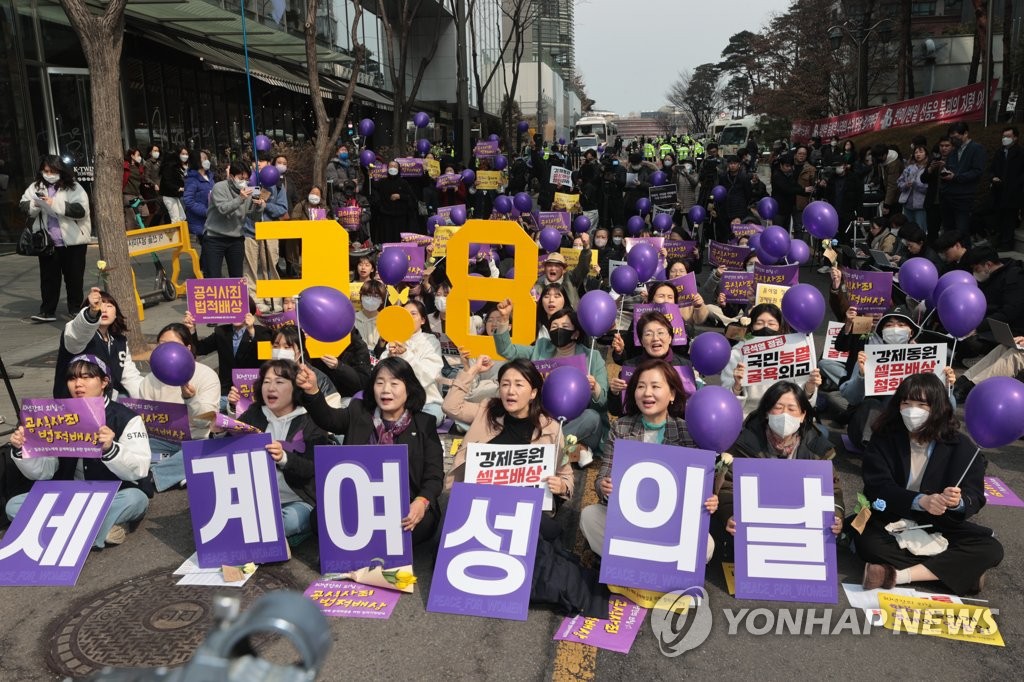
561,337
765,331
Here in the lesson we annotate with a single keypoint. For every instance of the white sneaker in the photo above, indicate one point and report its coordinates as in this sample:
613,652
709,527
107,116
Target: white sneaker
116,536
585,457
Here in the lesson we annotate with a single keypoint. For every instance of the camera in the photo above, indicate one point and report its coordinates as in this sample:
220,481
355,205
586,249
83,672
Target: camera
936,156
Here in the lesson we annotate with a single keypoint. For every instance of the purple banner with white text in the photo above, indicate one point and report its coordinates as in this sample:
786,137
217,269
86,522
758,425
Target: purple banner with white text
217,300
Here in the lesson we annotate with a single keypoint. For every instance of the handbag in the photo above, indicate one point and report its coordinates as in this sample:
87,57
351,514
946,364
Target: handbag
34,242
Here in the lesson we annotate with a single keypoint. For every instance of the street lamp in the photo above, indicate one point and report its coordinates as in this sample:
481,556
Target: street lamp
859,35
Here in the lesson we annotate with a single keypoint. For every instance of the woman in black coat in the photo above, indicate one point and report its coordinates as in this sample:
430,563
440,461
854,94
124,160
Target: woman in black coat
912,471
390,413
394,207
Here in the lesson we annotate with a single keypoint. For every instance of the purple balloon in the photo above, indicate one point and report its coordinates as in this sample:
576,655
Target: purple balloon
494,137
821,220
172,363
624,280
597,312
714,418
994,412
767,208
710,353
662,222
635,224
764,256
423,145
523,201
550,239
263,143
754,241
468,177
500,162
325,314
643,205
918,277
511,274
561,140
393,266
950,279
803,307
581,224
432,223
421,119
254,179
476,306
566,393
799,252
697,214
718,193
367,157
503,203
366,127
458,215
523,126
961,309
644,259
775,241
659,178
269,175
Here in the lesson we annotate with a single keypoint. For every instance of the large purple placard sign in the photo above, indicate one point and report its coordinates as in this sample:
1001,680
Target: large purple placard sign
488,546
363,495
234,499
62,427
216,300
168,421
51,535
785,549
656,535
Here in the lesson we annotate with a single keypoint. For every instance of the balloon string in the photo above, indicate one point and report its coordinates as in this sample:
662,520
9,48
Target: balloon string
248,83
590,356
952,354
967,468
926,317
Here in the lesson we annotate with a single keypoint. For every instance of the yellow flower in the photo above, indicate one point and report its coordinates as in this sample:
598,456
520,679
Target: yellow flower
404,577
249,568
401,585
101,264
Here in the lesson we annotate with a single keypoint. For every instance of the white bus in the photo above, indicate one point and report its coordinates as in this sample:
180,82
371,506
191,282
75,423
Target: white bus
737,132
600,127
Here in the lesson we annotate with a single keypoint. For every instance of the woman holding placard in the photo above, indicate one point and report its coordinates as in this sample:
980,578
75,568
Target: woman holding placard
923,482
390,413
125,458
655,407
661,292
783,427
276,410
655,333
567,338
765,321
422,350
515,417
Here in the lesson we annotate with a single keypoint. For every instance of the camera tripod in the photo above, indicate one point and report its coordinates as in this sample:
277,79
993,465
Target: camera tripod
9,428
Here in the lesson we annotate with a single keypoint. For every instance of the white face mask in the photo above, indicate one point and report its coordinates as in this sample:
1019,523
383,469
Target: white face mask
914,417
617,241
282,354
1007,141
370,303
896,335
240,184
392,171
51,178
137,159
750,268
600,242
441,303
183,158
281,168
205,164
666,163
784,425
982,275
313,199
155,155
841,170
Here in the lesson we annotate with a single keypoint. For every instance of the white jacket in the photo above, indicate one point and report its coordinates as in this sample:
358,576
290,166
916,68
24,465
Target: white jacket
73,231
423,352
751,395
206,401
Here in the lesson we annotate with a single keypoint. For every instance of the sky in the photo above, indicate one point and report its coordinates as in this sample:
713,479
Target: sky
631,51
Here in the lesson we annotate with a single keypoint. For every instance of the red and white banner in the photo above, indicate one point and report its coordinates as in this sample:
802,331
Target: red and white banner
960,104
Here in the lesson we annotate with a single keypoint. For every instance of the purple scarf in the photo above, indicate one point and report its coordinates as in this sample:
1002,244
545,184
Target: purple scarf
386,432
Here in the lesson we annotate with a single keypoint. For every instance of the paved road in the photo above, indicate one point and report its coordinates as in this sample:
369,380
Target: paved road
415,644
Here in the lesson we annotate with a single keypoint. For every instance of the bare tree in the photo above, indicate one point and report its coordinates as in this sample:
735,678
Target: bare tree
101,33
698,95
521,15
579,86
482,84
326,134
397,18
981,29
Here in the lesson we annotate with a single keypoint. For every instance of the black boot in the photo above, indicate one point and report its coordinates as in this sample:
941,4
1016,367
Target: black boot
961,388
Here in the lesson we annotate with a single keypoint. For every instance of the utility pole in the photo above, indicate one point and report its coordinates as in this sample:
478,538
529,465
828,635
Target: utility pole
462,83
540,90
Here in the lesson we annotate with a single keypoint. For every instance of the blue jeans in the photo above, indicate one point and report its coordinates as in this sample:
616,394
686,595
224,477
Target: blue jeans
168,471
833,369
918,216
296,516
586,428
129,505
216,249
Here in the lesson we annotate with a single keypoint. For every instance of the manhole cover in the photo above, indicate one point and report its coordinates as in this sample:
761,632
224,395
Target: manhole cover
147,622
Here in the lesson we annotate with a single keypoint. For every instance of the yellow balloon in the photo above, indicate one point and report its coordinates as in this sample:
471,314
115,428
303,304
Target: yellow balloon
395,324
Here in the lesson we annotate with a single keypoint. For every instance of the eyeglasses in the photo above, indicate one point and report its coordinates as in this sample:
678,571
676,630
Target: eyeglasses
655,334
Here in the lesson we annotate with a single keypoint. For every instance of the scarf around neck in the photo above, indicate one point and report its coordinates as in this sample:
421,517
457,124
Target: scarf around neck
387,432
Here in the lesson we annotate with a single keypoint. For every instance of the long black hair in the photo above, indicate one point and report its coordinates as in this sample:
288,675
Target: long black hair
542,317
496,409
415,395
772,396
54,162
182,332
120,325
425,327
941,424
